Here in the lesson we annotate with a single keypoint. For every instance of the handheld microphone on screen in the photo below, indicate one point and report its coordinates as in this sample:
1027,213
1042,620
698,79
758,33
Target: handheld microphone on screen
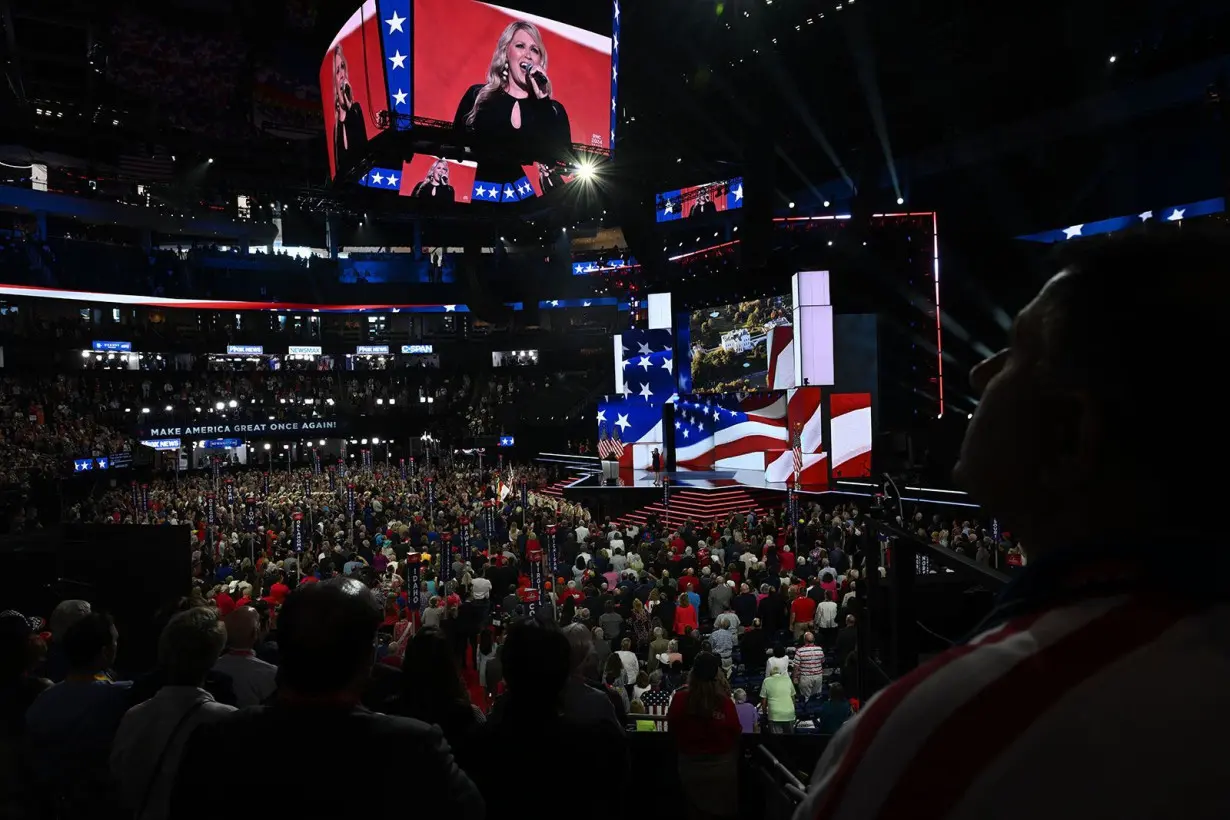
539,78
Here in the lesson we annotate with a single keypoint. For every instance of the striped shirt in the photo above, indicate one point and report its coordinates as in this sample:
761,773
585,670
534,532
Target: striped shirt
1054,713
810,659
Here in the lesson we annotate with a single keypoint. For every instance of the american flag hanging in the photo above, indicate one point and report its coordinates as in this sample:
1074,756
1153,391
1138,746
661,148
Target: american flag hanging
798,452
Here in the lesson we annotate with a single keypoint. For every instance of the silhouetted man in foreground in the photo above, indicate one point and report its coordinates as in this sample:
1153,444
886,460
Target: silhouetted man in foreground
1093,440
326,634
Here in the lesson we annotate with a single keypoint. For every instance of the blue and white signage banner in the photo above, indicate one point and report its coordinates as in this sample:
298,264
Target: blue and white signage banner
245,350
507,441
417,350
305,350
221,443
80,465
163,443
371,350
559,304
1174,213
111,347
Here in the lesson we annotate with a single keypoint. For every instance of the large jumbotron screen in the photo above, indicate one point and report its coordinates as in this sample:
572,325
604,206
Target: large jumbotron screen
500,74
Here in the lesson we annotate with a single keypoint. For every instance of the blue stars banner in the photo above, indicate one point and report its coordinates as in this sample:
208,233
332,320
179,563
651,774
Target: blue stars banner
395,33
615,28
1173,213
502,192
386,179
599,266
647,369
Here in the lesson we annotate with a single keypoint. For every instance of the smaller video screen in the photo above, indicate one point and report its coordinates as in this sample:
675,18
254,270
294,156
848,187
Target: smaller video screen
434,179
730,345
514,358
700,200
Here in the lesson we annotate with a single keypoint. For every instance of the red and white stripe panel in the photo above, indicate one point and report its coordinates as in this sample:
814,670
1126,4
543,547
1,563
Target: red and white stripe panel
804,416
851,434
815,475
745,461
780,349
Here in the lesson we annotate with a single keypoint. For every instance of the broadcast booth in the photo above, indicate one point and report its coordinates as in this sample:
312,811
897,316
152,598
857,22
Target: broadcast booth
455,103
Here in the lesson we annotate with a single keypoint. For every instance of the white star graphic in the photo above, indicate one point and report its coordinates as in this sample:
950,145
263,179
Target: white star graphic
717,416
1146,215
614,72
738,192
493,192
627,391
646,393
400,97
398,59
678,424
480,192
667,365
622,422
602,417
394,23
616,10
555,303
685,433
644,364
615,42
644,348
669,208
450,308
700,426
392,180
612,103
1075,230
1176,216
377,178
508,192
586,304
397,310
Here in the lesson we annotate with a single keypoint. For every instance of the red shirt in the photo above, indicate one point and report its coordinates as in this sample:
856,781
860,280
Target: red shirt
278,592
803,609
685,616
225,603
689,582
703,734
787,559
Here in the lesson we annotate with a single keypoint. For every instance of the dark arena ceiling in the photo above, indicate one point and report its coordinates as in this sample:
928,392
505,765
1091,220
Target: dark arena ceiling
1003,118
836,87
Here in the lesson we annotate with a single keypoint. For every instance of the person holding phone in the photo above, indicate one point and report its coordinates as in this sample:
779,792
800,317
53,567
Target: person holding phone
514,110
349,127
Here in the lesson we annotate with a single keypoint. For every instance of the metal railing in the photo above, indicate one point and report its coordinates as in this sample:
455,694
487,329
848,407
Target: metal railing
906,558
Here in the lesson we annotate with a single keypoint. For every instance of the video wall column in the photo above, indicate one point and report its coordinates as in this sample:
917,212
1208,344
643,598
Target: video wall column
813,329
630,428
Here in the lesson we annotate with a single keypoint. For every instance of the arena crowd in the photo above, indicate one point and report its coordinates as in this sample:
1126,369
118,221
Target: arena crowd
706,630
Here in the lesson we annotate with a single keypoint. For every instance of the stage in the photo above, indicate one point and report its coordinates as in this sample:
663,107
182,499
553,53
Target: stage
710,494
